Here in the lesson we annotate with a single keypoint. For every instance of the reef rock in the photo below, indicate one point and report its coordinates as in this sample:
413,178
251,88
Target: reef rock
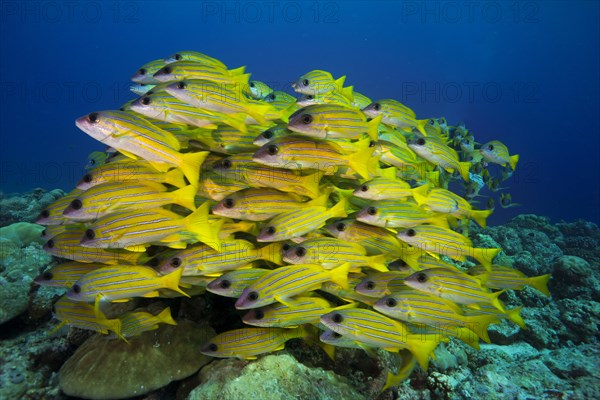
273,377
113,369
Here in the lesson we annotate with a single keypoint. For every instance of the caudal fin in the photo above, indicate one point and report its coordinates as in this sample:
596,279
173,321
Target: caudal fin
339,275
480,216
422,346
361,162
540,283
513,161
185,197
197,224
171,281
191,164
463,170
485,256
165,317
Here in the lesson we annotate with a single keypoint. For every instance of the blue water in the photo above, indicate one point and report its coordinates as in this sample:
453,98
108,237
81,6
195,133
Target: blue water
526,73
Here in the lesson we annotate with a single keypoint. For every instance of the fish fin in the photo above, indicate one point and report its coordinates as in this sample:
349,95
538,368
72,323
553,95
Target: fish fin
165,317
149,294
467,336
513,161
191,164
420,193
320,201
373,128
175,177
421,123
389,173
237,121
197,223
310,183
514,315
339,210
540,283
185,197
285,302
137,249
57,327
348,92
494,299
378,262
237,71
171,281
480,216
339,82
369,350
257,111
463,170
361,162
328,349
439,220
407,367
339,275
159,166
422,346
485,256
479,325
272,253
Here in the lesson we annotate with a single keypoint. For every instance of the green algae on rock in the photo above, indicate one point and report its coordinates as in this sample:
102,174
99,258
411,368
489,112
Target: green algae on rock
274,377
113,369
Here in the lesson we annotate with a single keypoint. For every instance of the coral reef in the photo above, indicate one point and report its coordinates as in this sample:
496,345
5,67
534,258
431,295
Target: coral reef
27,206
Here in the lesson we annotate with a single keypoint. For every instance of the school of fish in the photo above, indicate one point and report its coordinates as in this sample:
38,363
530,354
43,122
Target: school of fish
326,215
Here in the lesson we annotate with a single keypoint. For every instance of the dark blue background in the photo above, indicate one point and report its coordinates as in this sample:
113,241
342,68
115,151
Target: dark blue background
526,73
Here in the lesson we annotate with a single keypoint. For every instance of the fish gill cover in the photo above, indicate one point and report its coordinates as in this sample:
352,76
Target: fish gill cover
328,217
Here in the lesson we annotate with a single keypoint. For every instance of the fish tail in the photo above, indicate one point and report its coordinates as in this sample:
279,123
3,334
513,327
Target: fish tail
420,193
185,197
494,299
319,201
408,365
439,220
339,275
284,115
361,161
197,223
165,317
175,177
258,111
237,121
513,161
171,281
485,256
310,183
373,128
339,210
479,325
348,92
466,335
191,164
378,262
514,315
272,253
421,123
422,346
540,283
463,170
480,216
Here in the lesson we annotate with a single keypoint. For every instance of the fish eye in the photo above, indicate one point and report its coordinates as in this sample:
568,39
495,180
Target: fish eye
258,314
376,106
44,232
268,134
167,70
228,203
181,85
212,347
310,97
225,284
142,71
469,158
146,100
271,230
47,276
371,210
76,204
491,147
431,122
391,302
305,82
93,117
90,234
178,57
421,277
251,84
45,214
364,188
227,164
272,149
253,296
300,251
370,285
337,318
336,335
459,230
76,288
270,96
420,141
285,247
175,262
87,178
410,232
50,243
341,227
307,118
372,143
